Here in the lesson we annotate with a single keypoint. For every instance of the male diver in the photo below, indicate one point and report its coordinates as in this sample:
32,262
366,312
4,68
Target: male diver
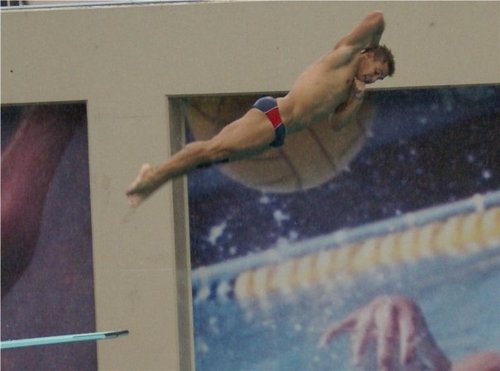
335,83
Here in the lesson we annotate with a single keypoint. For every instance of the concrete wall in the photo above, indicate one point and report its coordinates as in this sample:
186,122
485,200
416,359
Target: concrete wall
126,61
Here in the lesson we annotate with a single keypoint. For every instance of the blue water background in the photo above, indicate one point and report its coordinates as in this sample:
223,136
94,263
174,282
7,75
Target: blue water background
430,147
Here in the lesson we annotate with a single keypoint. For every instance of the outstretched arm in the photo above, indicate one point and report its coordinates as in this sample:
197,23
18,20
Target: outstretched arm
366,35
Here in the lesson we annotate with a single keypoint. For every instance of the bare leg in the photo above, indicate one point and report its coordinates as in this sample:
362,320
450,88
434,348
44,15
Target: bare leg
244,137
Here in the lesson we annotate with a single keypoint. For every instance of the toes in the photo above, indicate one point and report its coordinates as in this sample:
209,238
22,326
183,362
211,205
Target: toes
134,201
144,169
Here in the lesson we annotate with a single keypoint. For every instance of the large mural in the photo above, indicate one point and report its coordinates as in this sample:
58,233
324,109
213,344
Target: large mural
389,260
47,269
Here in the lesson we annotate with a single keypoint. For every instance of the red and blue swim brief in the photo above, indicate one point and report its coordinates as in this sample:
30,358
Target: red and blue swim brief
269,107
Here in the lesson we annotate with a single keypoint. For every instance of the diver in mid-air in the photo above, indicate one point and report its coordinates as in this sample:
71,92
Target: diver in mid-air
335,83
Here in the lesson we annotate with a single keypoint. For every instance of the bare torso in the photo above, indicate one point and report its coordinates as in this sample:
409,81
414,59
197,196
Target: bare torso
320,89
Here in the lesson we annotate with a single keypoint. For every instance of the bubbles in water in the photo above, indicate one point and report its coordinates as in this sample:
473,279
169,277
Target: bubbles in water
265,200
486,174
280,217
223,289
216,232
202,346
214,325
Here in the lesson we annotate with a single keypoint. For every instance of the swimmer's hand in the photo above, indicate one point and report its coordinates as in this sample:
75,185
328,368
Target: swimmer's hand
396,326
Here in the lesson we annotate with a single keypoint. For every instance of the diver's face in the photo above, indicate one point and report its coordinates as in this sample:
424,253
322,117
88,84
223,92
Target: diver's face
371,70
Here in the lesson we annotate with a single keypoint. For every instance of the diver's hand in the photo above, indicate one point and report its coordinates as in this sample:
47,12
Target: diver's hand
397,326
359,88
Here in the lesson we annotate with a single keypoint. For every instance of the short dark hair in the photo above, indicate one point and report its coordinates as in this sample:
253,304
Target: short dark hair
384,54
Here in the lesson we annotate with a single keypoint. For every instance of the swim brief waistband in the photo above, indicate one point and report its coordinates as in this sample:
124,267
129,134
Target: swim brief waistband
269,107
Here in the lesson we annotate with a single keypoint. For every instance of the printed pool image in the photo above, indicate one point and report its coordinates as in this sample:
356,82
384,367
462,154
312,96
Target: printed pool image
416,215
